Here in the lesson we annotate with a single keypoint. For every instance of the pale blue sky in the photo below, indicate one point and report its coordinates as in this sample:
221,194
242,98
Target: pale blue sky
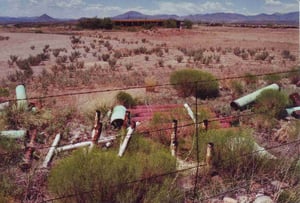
104,8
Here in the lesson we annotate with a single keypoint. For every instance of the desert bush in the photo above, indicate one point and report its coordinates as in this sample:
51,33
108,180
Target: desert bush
125,99
190,82
128,66
170,23
61,59
75,40
286,54
271,103
161,63
233,155
117,54
55,52
179,58
105,173
188,24
150,83
237,87
112,63
86,49
74,55
4,92
105,57
146,58
4,38
262,55
237,51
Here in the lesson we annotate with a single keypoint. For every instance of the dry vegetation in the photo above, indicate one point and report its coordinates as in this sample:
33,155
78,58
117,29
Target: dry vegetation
82,60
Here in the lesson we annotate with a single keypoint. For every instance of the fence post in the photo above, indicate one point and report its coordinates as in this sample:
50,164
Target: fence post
29,150
174,138
97,128
209,156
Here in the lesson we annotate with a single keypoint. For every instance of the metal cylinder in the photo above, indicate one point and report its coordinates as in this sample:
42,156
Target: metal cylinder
21,97
249,98
118,116
13,133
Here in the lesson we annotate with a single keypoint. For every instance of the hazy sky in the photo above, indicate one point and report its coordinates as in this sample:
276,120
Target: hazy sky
104,8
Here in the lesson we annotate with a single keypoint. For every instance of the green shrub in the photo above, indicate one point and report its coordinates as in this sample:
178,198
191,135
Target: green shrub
271,103
233,154
125,99
197,83
237,87
106,175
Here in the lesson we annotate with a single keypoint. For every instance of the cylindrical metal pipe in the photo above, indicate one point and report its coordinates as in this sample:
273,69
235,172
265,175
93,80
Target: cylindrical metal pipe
124,144
118,116
190,112
290,111
13,133
249,98
21,97
51,151
74,146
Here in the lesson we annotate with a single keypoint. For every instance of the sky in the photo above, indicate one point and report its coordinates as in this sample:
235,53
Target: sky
110,8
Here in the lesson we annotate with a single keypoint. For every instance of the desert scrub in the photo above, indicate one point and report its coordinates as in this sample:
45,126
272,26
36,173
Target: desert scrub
3,38
271,103
189,82
179,58
233,157
237,87
104,174
125,99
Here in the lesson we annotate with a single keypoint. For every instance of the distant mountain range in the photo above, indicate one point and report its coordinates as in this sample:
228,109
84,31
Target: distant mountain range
289,18
286,18
38,19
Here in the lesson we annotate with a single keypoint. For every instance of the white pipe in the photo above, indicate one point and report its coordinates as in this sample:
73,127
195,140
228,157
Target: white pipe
51,151
190,112
106,139
13,133
125,142
289,111
74,146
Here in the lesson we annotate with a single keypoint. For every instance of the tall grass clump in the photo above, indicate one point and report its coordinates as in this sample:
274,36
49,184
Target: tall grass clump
125,99
271,103
189,82
104,175
233,155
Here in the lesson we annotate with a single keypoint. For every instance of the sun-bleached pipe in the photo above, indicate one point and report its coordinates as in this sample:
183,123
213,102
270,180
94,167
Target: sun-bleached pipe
124,144
21,97
249,98
51,151
290,111
190,112
14,134
74,146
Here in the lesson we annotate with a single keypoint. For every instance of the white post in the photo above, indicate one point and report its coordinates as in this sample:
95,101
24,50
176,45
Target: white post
51,151
130,131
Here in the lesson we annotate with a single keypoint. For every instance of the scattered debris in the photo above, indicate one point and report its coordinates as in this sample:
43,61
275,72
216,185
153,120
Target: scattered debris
51,151
30,147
